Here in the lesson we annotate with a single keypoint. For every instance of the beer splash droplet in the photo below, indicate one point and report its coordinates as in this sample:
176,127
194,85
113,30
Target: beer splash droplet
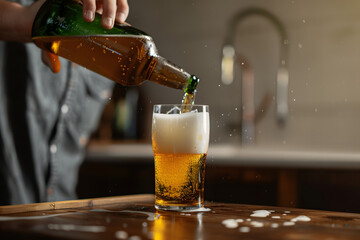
55,47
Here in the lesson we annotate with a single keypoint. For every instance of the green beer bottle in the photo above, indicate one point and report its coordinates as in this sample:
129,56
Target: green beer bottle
123,54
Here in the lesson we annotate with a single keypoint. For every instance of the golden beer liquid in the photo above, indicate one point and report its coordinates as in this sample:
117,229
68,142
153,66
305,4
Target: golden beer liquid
120,58
179,179
187,102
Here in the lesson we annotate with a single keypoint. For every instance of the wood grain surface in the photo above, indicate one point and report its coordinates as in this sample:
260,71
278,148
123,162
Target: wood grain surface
134,217
94,202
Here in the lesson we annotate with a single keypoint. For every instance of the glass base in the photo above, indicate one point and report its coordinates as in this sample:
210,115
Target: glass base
178,208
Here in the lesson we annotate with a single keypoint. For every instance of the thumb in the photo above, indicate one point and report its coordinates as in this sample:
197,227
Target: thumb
51,60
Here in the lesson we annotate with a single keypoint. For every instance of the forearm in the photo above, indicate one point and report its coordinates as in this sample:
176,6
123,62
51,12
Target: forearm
16,20
11,28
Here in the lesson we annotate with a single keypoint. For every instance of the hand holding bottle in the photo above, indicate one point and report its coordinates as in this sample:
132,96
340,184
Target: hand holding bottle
16,21
111,10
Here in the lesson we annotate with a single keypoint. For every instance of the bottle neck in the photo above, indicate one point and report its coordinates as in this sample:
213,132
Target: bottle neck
168,74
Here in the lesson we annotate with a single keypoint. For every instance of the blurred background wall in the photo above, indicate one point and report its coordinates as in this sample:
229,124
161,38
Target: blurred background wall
323,62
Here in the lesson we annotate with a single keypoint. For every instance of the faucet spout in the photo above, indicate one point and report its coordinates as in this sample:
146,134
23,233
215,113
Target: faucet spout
230,57
248,105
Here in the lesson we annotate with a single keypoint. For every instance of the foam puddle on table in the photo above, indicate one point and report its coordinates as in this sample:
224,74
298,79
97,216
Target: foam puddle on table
120,234
11,218
125,235
246,225
150,216
301,218
59,227
260,213
202,209
232,223
77,228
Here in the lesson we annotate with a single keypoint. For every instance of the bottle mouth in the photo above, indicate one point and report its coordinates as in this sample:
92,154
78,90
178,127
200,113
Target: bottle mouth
192,84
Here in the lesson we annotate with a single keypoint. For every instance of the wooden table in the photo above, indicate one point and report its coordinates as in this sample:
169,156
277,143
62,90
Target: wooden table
134,217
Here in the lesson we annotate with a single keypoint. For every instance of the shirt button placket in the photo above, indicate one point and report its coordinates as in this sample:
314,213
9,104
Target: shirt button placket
53,148
64,108
57,139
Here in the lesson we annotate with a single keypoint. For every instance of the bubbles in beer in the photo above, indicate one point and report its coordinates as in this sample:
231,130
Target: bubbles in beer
106,53
180,144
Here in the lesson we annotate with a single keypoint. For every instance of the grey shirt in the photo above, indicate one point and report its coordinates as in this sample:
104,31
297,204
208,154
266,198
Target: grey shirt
45,122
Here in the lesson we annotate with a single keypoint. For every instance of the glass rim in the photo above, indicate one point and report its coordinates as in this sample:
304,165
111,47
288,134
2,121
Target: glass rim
167,108
180,104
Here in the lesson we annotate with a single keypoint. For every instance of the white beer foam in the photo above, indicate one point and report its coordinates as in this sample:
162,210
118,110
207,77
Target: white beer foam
301,218
260,213
181,133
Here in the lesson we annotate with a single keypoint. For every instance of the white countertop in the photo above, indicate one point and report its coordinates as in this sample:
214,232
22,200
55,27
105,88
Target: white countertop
232,155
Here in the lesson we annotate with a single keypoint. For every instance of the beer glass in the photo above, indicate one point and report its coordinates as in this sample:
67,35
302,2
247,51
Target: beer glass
180,143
